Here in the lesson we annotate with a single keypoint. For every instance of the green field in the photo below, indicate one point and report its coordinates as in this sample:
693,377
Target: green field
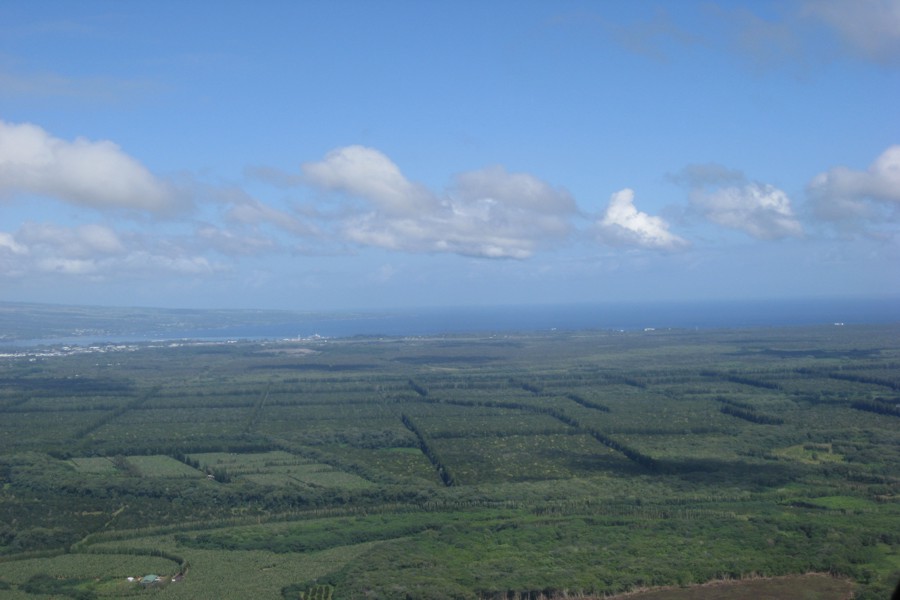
561,464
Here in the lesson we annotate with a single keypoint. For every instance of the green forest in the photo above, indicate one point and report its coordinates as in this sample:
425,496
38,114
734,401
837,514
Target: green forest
560,464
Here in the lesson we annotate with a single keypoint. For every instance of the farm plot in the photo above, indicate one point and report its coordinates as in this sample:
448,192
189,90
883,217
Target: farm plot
86,566
498,422
17,430
810,453
366,395
309,476
527,458
74,403
812,586
94,465
171,428
373,429
204,398
404,464
280,469
648,411
687,446
842,420
161,466
218,574
335,411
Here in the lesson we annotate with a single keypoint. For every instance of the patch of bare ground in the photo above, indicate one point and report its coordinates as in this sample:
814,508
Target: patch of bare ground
812,586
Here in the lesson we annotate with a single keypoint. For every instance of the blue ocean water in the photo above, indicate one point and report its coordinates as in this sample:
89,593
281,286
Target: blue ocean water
500,319
630,316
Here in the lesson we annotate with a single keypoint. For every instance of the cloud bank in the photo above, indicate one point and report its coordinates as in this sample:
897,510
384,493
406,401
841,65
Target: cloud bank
488,213
357,197
95,252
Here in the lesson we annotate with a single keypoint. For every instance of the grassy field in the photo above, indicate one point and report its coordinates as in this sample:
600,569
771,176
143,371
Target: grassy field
561,464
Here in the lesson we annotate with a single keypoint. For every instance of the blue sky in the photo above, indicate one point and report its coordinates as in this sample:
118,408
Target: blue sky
313,155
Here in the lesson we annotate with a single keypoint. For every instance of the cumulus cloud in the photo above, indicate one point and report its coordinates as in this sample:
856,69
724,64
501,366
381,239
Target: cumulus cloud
81,172
761,210
369,174
622,223
842,193
489,213
725,197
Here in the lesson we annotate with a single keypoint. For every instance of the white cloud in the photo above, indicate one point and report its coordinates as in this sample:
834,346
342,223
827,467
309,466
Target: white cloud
623,223
82,172
725,197
515,191
76,242
13,256
760,210
10,246
489,213
94,252
371,175
841,194
870,28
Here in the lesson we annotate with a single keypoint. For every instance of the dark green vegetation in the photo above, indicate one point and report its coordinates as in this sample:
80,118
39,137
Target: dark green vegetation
517,466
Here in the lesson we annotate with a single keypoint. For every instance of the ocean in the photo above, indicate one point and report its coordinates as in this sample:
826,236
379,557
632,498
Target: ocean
633,316
570,317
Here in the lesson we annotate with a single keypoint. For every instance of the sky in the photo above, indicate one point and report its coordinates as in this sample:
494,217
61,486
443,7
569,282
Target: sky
355,154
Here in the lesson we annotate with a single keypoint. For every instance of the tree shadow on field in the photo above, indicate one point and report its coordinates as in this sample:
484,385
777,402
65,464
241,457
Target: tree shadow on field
718,472
586,465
